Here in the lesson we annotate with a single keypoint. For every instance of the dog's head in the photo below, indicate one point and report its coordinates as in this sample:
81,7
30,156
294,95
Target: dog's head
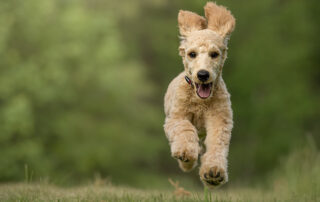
203,45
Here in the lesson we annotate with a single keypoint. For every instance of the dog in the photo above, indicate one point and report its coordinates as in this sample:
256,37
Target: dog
197,100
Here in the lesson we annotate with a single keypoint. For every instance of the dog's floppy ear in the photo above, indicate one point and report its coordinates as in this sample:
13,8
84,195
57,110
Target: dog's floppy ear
189,22
220,19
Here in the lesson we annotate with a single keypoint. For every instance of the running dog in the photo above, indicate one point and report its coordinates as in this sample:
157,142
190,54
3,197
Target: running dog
197,99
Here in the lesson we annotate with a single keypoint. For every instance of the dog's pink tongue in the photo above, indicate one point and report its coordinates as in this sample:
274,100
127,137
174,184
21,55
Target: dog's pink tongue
204,91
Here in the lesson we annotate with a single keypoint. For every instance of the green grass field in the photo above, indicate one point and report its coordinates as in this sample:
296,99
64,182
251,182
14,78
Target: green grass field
297,179
40,192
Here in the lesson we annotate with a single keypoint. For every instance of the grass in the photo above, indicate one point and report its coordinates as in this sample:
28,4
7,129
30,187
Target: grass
42,192
297,179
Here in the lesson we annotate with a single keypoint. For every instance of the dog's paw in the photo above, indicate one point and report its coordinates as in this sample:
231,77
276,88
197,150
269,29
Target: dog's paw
213,176
187,166
187,154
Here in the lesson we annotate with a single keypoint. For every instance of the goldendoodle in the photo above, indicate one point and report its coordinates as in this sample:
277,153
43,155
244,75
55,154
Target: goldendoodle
197,99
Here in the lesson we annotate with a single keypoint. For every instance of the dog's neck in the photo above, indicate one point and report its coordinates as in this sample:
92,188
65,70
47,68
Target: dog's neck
189,81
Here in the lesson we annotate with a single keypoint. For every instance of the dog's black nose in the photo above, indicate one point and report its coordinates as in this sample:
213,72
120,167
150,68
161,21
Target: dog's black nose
203,75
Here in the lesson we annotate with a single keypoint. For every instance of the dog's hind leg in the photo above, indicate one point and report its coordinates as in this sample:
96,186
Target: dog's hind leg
184,142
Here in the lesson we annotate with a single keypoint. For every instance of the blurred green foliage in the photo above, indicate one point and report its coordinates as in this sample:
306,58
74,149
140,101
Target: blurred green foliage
82,86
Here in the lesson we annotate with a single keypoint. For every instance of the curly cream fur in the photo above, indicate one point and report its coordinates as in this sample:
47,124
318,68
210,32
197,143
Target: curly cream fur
187,114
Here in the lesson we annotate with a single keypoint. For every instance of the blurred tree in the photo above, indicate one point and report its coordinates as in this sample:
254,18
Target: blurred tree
72,103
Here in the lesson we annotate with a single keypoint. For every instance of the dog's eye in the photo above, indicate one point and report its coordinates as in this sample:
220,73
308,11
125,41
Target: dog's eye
214,54
192,54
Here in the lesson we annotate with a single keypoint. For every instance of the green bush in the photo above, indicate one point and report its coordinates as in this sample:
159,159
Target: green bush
72,103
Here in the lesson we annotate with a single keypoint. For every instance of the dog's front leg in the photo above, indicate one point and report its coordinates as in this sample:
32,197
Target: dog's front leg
214,163
184,142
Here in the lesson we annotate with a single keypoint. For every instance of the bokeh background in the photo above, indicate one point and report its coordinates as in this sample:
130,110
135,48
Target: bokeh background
82,85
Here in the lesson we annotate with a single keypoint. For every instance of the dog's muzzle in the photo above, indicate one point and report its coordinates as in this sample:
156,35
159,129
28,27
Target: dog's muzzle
203,90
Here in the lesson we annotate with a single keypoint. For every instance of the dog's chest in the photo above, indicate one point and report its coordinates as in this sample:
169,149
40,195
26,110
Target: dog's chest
197,116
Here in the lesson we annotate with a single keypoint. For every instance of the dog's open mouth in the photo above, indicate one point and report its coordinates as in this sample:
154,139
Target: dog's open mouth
204,90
